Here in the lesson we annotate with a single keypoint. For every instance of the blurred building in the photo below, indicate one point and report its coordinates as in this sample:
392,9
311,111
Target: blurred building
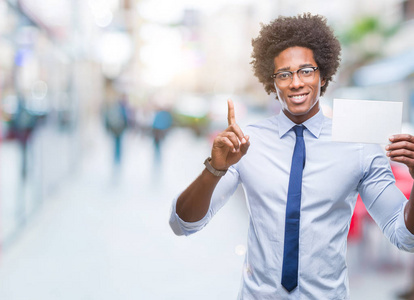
55,58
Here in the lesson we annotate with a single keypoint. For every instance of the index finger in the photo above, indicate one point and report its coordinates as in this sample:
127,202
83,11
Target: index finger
401,137
231,119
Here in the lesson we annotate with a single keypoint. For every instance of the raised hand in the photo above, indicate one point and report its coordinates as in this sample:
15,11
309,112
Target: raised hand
230,145
401,150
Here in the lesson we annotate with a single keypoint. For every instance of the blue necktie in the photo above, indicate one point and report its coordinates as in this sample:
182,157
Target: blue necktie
291,249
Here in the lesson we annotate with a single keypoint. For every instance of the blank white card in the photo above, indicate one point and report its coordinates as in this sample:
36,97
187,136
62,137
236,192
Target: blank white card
365,121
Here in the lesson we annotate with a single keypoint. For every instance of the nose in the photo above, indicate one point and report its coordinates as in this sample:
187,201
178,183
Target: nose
296,81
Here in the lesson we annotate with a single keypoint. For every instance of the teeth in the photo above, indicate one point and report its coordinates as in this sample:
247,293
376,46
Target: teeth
298,97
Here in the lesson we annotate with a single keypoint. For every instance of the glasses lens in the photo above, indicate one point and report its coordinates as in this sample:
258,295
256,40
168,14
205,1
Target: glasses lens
284,78
306,73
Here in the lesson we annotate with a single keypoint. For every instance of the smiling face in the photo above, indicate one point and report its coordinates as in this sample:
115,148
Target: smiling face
299,100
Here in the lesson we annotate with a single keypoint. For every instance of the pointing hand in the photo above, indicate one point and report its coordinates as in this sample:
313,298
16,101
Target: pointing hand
230,145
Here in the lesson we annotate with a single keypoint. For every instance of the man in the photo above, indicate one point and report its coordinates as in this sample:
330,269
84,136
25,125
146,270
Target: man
300,187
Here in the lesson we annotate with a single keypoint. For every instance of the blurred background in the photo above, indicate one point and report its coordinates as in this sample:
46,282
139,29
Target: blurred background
108,109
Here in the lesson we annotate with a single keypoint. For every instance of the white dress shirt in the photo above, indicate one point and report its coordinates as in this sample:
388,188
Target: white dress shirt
333,176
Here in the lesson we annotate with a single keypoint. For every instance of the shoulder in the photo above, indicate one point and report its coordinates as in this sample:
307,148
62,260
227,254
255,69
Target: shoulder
326,126
259,127
371,151
327,121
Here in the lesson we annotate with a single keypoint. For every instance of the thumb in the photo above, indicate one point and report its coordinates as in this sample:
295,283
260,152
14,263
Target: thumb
245,146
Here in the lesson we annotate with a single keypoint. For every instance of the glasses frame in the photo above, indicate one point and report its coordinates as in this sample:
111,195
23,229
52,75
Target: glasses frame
293,72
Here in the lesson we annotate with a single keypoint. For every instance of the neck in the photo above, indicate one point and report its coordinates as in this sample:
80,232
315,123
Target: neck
299,119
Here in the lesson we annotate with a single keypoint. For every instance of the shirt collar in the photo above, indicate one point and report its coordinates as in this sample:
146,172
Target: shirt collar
314,124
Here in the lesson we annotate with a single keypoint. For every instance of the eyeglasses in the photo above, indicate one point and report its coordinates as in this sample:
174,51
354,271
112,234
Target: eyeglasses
284,78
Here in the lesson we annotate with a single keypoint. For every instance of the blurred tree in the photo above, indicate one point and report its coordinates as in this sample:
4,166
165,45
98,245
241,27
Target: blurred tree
365,26
364,41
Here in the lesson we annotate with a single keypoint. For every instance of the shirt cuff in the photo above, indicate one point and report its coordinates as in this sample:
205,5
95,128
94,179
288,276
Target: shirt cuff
405,237
181,227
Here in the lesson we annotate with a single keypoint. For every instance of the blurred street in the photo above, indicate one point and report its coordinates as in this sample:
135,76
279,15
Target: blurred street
104,234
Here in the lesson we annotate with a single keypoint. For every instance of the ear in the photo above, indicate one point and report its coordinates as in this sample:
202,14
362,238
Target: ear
323,82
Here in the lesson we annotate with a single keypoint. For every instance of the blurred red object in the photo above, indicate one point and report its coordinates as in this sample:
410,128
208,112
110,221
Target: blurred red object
403,181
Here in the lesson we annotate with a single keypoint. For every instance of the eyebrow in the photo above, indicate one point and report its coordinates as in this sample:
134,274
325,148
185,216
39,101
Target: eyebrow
288,68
